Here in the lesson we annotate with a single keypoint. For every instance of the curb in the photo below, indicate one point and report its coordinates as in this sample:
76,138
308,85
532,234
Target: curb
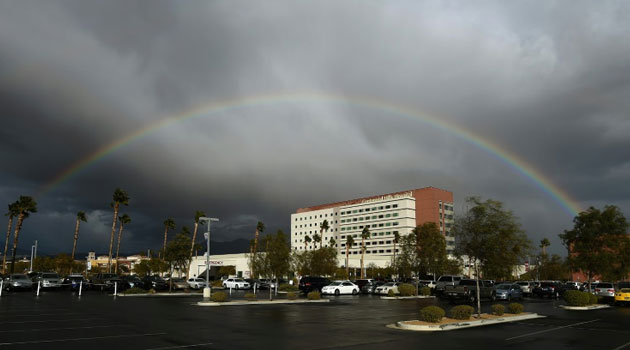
585,308
159,295
260,302
465,324
410,297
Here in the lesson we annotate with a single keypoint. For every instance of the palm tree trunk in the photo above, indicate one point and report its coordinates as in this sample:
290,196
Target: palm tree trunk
255,249
347,267
165,237
194,237
74,244
6,245
321,235
111,238
362,254
16,234
118,245
395,266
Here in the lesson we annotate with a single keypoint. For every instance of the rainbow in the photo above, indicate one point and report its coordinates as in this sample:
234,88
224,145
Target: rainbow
513,161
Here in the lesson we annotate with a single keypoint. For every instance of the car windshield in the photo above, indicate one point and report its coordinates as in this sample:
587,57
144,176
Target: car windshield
624,285
503,286
50,275
19,277
238,280
335,284
445,279
625,290
388,284
522,283
605,285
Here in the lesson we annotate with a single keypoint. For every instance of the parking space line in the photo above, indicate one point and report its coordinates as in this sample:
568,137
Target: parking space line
552,329
56,329
622,346
34,315
78,339
180,346
57,320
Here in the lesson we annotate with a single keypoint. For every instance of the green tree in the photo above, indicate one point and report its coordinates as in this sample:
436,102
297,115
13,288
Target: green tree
491,238
143,269
407,260
396,241
11,213
301,263
323,227
307,240
23,207
176,255
596,238
544,243
323,261
317,239
169,224
349,243
276,261
124,220
260,228
198,214
228,270
365,234
431,249
332,242
120,197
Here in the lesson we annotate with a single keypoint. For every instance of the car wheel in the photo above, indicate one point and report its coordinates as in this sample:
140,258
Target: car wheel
493,297
355,292
471,299
337,292
509,298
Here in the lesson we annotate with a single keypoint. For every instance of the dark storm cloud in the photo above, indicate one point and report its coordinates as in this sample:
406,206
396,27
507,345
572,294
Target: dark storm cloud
547,82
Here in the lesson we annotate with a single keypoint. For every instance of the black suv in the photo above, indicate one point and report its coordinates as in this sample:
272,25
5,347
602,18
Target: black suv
548,289
312,283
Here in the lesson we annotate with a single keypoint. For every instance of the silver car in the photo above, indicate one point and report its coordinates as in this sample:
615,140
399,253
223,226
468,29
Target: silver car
604,289
48,280
18,281
507,291
527,287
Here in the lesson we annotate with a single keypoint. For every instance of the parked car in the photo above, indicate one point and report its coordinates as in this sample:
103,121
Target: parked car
134,281
385,288
47,280
75,281
363,282
265,283
527,287
550,289
622,285
446,280
236,283
341,287
604,289
196,283
17,281
622,295
466,289
179,283
108,281
155,282
508,291
370,288
312,283
427,283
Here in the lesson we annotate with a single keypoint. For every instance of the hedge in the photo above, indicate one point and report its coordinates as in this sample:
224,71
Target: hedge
219,297
288,288
216,283
577,298
498,309
313,295
433,314
390,293
462,312
592,299
425,291
291,295
406,289
515,308
135,290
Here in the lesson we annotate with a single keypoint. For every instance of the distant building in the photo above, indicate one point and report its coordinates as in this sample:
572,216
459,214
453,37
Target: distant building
384,215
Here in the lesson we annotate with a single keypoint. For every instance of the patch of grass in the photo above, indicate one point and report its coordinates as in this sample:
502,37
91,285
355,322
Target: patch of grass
433,314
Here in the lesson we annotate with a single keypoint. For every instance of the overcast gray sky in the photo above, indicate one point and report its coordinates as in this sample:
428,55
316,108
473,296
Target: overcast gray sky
546,81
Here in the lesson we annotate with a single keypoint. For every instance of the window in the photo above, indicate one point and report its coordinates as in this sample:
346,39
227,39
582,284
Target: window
374,234
381,233
388,206
380,225
354,211
395,223
354,219
395,214
360,210
388,242
367,209
389,250
380,251
395,206
380,216
373,216
388,224
380,208
388,215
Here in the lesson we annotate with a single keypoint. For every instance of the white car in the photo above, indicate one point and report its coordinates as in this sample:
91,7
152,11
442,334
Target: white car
341,287
196,283
384,289
236,283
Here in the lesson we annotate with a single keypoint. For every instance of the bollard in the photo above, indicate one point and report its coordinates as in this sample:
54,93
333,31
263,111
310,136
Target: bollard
80,287
39,283
1,286
115,288
230,290
254,287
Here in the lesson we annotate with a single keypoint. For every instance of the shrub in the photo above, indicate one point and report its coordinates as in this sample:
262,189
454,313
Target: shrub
406,289
576,298
219,297
250,296
135,290
462,312
291,295
288,288
216,283
498,309
432,314
152,291
390,293
314,295
592,298
515,308
425,291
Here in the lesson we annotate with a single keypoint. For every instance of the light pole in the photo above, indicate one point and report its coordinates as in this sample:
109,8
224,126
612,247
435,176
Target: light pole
206,290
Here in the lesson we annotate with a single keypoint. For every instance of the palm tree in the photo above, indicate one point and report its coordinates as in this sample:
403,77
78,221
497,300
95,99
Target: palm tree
365,234
124,220
396,240
198,214
544,243
349,243
120,197
11,213
317,239
323,227
169,224
307,240
260,227
80,217
24,206
332,242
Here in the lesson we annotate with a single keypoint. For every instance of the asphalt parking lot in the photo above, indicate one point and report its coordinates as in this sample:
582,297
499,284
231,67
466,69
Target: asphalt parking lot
60,319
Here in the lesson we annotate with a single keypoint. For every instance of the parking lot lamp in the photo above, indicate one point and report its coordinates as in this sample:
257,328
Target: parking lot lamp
206,290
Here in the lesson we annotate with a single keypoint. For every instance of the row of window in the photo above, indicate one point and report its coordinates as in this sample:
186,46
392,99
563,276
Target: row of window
373,217
355,211
315,216
368,243
315,224
312,232
374,234
375,251
386,224
446,207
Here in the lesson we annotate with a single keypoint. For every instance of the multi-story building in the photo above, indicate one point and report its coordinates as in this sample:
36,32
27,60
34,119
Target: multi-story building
384,215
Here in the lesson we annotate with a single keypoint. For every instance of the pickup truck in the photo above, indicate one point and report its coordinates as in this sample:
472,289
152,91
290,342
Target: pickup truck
467,290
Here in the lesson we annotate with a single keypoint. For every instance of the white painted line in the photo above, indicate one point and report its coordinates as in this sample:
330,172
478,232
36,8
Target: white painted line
77,339
623,346
70,313
56,329
552,329
42,321
180,347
